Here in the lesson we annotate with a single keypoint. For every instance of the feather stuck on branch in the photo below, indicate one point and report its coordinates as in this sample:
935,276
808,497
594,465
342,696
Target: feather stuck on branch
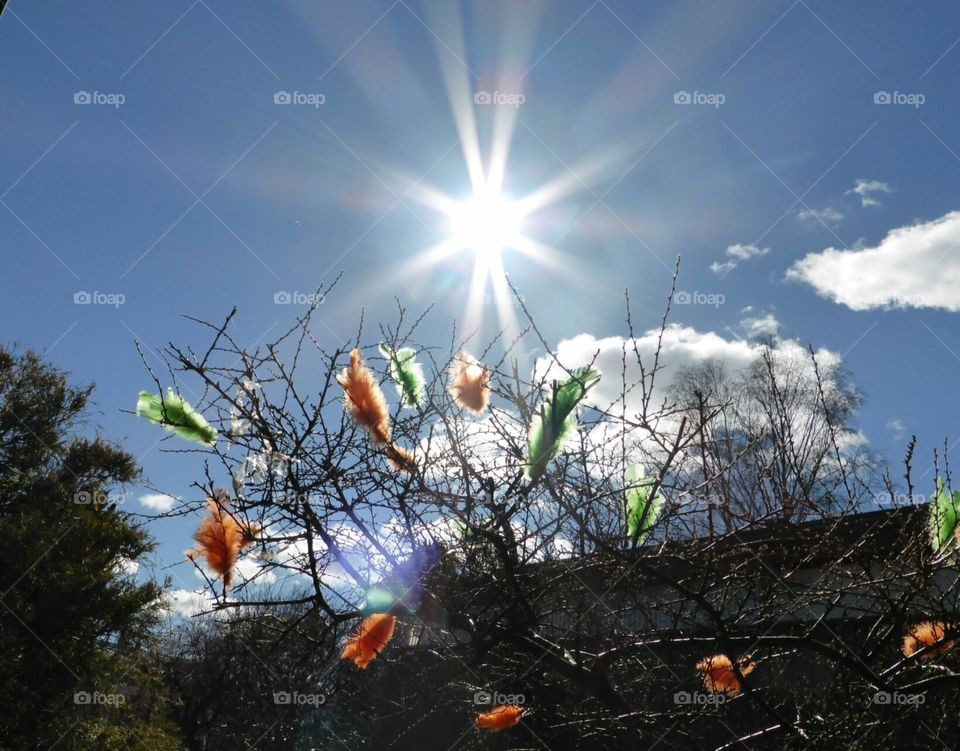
368,405
370,639
176,415
718,674
407,374
365,399
553,426
221,538
500,718
927,634
470,383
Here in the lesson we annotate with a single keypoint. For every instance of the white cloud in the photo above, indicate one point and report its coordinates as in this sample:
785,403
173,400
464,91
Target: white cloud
897,428
737,254
482,440
914,266
250,569
562,547
683,347
157,501
127,567
759,326
829,215
187,603
866,188
722,268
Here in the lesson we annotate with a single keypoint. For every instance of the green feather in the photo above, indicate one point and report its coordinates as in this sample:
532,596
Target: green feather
555,423
643,508
406,373
943,517
174,414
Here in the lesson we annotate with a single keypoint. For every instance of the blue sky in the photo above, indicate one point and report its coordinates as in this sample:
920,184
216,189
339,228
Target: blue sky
183,187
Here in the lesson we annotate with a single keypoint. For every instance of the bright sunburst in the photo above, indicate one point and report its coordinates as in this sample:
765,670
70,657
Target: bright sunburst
487,222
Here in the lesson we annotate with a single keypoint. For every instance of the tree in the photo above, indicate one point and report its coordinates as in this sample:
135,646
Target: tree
79,666
584,587
775,439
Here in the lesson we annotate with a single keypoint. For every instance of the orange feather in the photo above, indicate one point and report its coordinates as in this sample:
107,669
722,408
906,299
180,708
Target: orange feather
370,639
400,458
718,676
927,634
221,538
500,718
365,399
470,383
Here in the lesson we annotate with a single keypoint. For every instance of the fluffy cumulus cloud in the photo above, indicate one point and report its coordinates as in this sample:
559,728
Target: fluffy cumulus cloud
188,603
157,501
737,254
914,266
867,189
683,347
756,325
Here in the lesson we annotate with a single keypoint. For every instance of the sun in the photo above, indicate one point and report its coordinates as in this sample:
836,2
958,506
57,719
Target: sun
488,222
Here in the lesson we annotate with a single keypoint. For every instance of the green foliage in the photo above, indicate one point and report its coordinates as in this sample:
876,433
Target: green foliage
643,507
553,426
73,624
406,373
176,415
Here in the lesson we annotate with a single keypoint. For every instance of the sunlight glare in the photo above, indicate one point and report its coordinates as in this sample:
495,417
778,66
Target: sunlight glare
486,223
